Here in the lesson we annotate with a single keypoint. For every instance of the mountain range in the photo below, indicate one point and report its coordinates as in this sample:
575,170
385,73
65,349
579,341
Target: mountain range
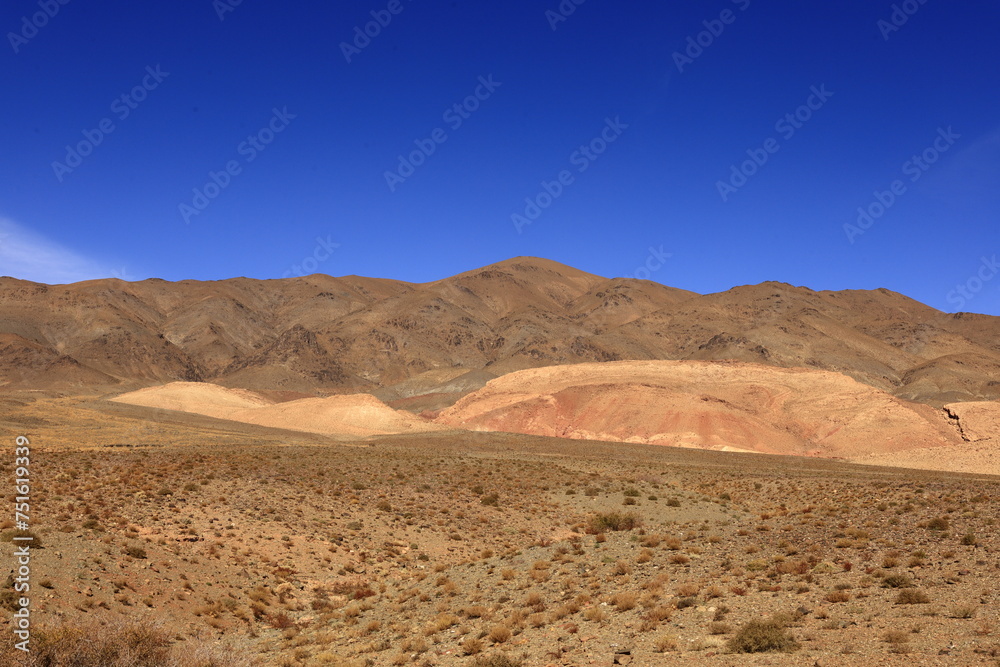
423,346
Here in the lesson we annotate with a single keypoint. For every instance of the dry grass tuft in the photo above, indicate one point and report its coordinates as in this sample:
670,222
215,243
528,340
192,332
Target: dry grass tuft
605,521
762,637
912,596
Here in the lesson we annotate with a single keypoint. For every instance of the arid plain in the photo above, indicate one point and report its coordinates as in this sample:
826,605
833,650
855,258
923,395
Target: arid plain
523,464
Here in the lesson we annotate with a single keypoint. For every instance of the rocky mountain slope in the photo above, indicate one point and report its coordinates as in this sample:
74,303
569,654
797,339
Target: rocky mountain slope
352,334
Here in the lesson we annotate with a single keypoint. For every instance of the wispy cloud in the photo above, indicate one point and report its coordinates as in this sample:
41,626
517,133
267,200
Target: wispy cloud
27,255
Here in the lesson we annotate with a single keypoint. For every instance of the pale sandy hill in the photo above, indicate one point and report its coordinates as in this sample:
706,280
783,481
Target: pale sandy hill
348,415
202,398
351,414
718,405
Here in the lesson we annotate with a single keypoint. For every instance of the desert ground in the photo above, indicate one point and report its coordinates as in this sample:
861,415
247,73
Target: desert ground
179,538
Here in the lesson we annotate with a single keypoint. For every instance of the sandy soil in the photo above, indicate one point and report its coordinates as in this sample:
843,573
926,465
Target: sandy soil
271,547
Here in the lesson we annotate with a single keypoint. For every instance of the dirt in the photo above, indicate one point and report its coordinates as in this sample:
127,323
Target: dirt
277,547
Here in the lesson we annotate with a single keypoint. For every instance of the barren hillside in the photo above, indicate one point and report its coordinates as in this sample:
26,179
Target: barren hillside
321,335
714,405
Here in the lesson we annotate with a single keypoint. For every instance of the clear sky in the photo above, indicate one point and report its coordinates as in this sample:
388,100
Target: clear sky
716,143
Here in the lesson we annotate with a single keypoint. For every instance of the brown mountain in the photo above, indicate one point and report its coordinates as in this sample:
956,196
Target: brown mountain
401,341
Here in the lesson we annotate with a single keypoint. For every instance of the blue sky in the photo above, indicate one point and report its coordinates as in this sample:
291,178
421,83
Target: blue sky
643,111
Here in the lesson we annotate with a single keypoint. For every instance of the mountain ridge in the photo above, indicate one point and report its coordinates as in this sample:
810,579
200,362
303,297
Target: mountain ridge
323,334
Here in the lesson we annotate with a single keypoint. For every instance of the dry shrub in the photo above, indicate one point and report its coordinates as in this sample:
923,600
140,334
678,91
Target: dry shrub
440,623
652,540
624,601
472,646
838,596
658,614
134,551
539,576
661,612
687,590
897,581
476,611
940,523
564,610
499,634
116,643
665,643
612,521
762,637
353,589
792,567
962,611
657,583
897,637
912,596
414,645
714,592
687,602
